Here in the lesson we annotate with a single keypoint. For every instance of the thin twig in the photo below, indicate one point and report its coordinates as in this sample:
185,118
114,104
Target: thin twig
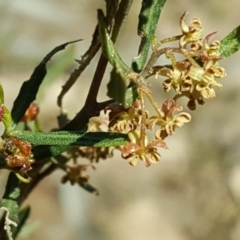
83,63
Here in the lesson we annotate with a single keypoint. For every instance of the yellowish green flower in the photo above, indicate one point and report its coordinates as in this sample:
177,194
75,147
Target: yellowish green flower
175,76
169,122
191,33
125,120
147,153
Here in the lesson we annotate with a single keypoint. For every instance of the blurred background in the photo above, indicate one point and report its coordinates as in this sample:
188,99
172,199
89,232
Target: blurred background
192,194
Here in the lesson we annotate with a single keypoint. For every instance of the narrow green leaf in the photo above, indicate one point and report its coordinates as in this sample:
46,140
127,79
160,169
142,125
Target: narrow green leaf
120,92
130,96
66,138
148,20
23,216
7,121
231,43
29,89
116,87
89,188
9,204
6,117
109,49
122,13
54,143
42,152
1,94
59,67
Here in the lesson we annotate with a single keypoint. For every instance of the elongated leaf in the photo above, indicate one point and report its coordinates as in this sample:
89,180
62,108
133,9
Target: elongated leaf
42,152
5,115
130,96
122,92
65,138
29,89
109,49
148,20
89,188
7,120
23,216
118,86
231,43
58,68
9,204
60,142
1,94
122,13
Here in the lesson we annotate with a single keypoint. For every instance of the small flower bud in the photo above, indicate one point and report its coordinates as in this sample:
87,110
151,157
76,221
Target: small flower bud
31,113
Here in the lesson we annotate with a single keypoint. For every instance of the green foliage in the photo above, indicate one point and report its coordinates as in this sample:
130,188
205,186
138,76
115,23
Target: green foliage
23,216
9,204
118,86
108,48
70,138
19,149
148,20
231,43
30,88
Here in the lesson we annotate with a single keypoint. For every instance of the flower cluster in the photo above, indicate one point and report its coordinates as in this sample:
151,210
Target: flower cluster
125,120
147,151
17,153
168,122
31,114
93,154
140,147
196,76
75,174
191,34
